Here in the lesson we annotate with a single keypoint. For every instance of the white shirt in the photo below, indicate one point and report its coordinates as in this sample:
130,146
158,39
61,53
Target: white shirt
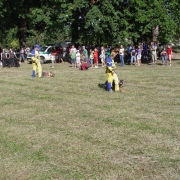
121,51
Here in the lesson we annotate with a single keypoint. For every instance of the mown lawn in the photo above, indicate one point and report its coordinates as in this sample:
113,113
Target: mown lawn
68,128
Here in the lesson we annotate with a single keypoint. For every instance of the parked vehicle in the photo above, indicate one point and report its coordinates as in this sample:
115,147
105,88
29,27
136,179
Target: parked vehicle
44,52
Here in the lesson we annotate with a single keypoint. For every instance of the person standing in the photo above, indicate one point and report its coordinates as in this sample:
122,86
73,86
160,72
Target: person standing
128,49
12,56
163,55
133,55
78,58
169,52
139,54
91,57
3,58
153,53
121,54
73,56
22,52
96,57
145,51
102,56
36,62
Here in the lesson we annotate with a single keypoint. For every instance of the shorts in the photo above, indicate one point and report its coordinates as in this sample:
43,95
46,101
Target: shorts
73,61
102,59
95,60
91,61
139,56
78,61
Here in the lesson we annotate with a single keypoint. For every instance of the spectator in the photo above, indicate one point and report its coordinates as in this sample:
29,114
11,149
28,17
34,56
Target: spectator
133,55
145,51
12,56
153,52
91,57
163,56
128,49
60,54
3,58
169,52
121,53
78,58
102,56
95,57
22,52
84,66
139,54
85,53
73,56
27,51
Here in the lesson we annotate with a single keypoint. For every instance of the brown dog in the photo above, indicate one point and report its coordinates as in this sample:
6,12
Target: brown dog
48,74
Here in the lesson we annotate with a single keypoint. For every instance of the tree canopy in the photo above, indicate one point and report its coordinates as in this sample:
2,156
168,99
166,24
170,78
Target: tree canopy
88,21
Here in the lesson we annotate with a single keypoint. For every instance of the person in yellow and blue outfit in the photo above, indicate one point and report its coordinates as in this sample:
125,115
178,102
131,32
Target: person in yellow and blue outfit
111,74
36,63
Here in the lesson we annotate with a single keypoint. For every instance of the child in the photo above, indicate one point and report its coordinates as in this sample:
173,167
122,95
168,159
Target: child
78,57
91,57
169,52
95,58
163,56
139,51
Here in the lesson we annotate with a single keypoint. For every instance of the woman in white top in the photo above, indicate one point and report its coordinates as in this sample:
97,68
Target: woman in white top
121,53
102,56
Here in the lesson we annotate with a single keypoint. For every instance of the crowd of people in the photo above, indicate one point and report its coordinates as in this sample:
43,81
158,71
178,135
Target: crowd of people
9,57
131,55
89,56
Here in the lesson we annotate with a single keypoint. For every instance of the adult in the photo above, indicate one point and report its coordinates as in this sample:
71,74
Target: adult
145,51
36,62
60,54
3,58
128,49
73,56
121,54
27,51
12,56
85,53
22,53
133,55
111,74
153,52
102,56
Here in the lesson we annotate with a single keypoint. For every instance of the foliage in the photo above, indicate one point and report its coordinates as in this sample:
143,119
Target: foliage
89,21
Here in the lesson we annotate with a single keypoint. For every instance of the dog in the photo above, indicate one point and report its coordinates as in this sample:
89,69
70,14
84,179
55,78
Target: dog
121,84
48,74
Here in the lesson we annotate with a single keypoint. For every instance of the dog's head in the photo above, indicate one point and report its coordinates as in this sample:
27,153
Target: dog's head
121,83
52,74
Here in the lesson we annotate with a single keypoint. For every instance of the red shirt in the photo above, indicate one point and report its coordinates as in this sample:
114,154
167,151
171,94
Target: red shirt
95,54
169,51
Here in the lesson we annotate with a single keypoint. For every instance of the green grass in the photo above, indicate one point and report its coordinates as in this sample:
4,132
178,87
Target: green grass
68,128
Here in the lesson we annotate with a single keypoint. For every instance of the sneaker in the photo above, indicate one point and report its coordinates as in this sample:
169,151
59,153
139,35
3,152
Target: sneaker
169,64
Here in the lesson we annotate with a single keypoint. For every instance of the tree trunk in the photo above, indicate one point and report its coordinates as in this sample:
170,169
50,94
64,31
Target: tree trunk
155,33
23,33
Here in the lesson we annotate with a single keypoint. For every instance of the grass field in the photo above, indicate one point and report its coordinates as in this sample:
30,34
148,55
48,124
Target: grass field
68,128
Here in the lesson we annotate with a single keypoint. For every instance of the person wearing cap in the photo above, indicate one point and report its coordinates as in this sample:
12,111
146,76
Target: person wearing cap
36,62
111,74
